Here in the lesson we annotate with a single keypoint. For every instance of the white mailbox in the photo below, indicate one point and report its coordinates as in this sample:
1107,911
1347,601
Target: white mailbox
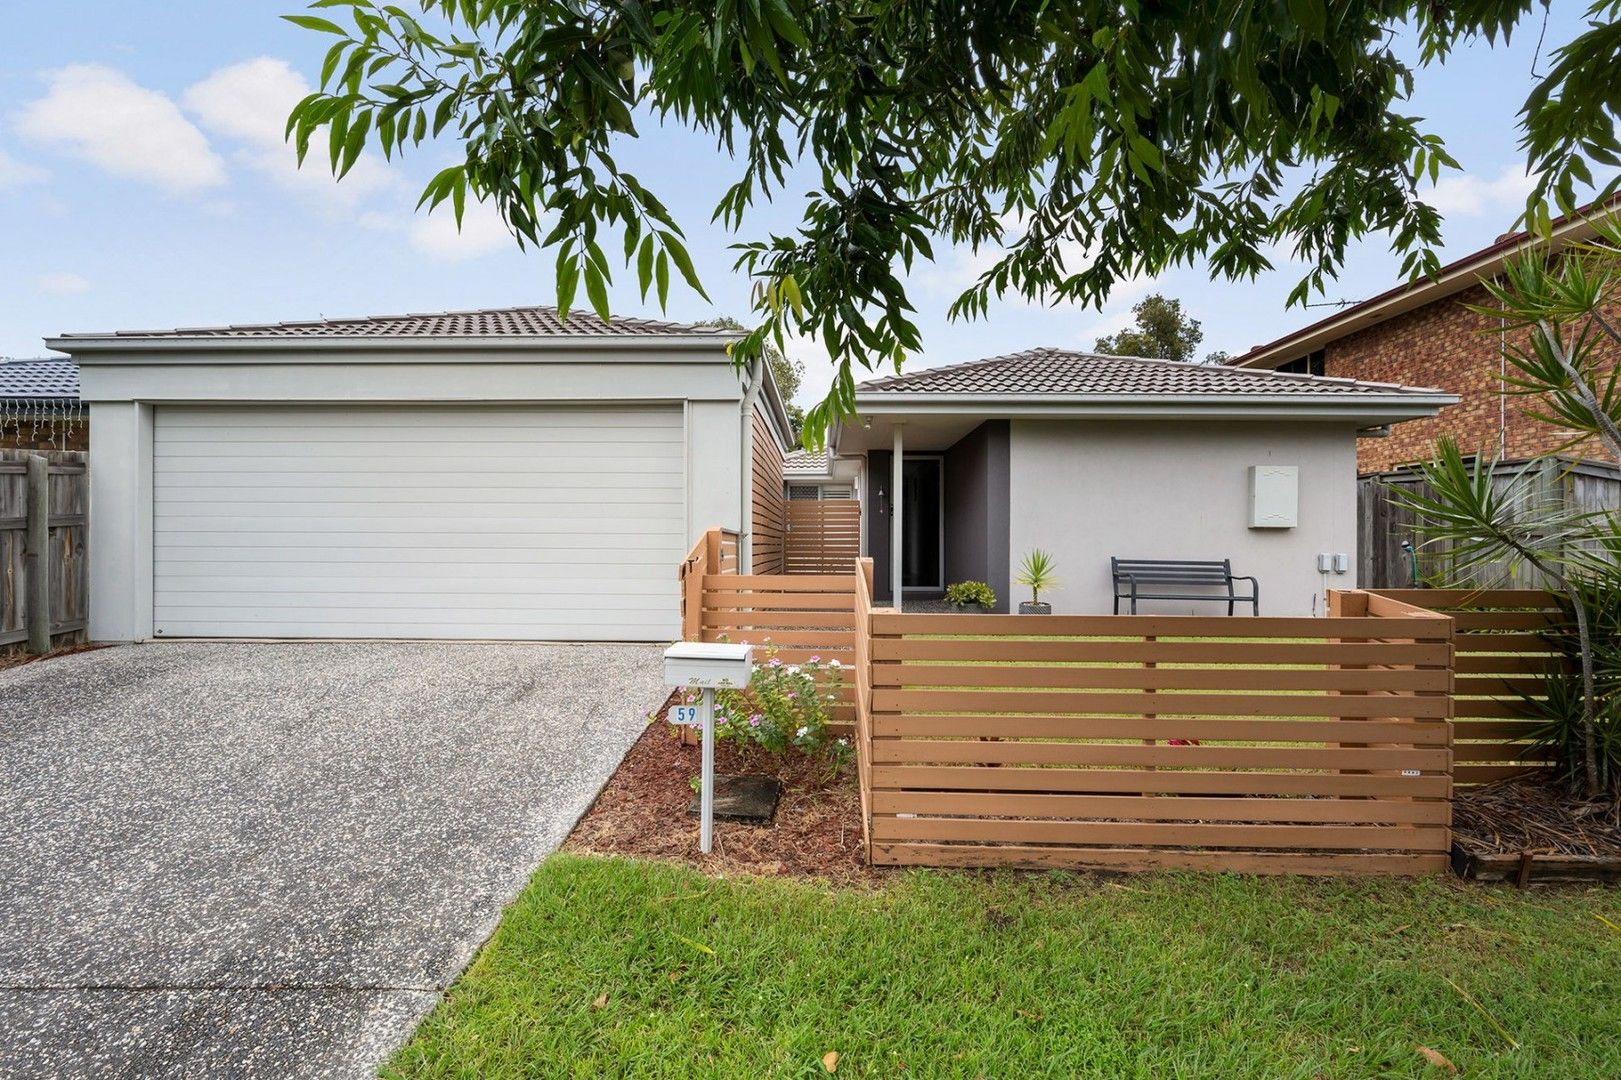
716,665
1274,496
709,666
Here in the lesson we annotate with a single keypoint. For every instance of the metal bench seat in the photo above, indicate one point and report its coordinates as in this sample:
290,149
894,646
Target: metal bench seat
1155,579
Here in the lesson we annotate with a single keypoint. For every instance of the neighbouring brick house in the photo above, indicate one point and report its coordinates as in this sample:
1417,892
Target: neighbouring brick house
1423,334
40,407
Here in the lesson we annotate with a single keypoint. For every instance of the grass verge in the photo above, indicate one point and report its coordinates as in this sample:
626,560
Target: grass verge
619,967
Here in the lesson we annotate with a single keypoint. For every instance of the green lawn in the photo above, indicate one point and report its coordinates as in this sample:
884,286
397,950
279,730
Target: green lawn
612,967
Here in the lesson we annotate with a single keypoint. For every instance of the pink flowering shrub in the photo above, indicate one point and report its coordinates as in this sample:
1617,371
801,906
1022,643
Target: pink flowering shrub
786,705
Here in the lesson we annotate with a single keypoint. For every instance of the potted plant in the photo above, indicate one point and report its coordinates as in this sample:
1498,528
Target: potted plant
971,596
1037,572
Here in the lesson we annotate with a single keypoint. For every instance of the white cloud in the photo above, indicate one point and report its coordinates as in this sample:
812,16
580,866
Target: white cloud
482,232
62,283
1468,195
101,116
247,104
16,174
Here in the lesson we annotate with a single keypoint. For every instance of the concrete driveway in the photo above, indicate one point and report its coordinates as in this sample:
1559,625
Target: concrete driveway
269,859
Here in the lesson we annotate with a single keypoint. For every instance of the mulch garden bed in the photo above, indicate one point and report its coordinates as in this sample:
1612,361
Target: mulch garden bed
1529,829
816,832
19,656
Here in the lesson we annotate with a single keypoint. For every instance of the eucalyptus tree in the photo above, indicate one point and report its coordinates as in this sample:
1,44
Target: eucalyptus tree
1132,136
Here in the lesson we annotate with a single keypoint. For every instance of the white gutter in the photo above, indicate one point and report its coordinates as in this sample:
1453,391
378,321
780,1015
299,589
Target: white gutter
85,345
1159,406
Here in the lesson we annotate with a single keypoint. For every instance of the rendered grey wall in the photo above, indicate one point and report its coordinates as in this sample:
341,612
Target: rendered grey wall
123,391
976,508
1086,490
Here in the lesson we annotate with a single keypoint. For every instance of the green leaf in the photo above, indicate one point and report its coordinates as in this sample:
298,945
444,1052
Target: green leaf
661,275
683,263
597,290
644,265
315,22
568,279
354,142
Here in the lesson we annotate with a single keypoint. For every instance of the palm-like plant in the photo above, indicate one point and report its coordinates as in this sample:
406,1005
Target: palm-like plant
1036,571
1490,531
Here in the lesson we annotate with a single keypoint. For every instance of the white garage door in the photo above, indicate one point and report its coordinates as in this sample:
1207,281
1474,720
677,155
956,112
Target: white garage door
526,523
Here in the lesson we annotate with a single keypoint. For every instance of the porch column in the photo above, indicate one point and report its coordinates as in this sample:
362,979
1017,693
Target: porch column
896,528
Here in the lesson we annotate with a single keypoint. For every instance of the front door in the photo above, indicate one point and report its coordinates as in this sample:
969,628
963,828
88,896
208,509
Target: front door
922,557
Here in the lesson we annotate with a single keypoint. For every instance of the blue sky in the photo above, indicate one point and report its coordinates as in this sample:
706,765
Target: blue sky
143,184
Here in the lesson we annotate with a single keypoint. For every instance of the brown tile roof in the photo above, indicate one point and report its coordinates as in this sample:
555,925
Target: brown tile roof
1078,374
1452,278
535,321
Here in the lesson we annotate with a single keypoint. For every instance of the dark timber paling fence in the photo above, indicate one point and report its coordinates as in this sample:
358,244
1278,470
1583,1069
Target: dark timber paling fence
1384,524
43,536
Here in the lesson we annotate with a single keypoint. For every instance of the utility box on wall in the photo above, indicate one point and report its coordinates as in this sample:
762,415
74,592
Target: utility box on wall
1274,496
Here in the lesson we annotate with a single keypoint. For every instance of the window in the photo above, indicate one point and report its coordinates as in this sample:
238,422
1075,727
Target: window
820,491
1307,365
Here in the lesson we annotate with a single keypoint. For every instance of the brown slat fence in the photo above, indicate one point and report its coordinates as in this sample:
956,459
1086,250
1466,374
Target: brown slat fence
1303,745
1501,658
1138,742
66,560
798,615
824,536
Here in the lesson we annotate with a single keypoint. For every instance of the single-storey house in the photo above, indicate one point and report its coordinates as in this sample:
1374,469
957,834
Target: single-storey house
1088,456
506,474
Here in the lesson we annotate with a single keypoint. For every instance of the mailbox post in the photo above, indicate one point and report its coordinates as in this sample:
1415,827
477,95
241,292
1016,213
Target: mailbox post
709,666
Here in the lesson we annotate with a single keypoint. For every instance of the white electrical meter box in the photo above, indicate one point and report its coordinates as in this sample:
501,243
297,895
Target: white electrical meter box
1274,496
715,665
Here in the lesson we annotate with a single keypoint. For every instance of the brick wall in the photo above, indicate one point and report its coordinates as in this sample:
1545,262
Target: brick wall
1444,345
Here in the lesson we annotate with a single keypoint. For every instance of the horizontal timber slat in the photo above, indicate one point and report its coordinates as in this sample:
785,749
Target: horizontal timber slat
1091,858
890,623
895,751
1137,807
1184,678
1425,654
990,701
828,640
1064,727
718,600
1232,782
797,619
1177,834
1472,599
